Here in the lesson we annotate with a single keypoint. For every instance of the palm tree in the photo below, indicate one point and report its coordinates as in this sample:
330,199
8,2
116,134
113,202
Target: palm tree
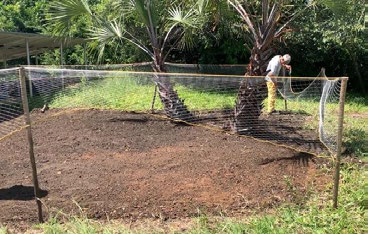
155,26
266,20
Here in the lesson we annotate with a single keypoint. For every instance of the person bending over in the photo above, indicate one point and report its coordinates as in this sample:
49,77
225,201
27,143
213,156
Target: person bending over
273,70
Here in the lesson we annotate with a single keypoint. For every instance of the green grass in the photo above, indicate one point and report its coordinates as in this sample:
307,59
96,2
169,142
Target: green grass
355,120
127,94
80,225
3,230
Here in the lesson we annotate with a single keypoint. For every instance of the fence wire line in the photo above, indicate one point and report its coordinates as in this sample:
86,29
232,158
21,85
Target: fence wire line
308,123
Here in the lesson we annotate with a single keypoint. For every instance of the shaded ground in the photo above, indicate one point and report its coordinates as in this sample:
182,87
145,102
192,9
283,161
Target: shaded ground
126,165
283,128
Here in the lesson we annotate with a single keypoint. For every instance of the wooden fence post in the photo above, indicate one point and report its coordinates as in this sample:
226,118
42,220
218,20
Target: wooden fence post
22,76
339,139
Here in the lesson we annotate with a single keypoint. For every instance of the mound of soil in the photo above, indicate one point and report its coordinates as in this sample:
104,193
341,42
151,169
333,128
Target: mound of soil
126,165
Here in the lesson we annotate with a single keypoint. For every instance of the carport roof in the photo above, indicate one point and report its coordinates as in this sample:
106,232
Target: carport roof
13,44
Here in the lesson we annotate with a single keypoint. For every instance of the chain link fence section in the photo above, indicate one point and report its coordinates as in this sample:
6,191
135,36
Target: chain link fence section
11,109
307,107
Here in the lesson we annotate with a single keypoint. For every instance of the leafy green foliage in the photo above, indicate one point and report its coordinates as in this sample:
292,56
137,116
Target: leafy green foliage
165,24
324,37
22,15
65,12
332,37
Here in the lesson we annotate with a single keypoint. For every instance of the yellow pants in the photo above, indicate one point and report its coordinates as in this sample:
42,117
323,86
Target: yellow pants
271,96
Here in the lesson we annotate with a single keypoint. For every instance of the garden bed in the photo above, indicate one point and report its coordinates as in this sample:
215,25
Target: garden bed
117,164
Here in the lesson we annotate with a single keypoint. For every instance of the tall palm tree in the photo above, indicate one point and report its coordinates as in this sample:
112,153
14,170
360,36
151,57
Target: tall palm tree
154,26
266,20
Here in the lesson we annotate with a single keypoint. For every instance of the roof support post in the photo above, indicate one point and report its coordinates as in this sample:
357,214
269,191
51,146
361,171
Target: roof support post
85,54
4,61
29,63
61,65
61,54
28,54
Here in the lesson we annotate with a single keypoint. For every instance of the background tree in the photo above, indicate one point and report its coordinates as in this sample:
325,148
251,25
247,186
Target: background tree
266,20
22,15
331,35
154,26
314,36
221,40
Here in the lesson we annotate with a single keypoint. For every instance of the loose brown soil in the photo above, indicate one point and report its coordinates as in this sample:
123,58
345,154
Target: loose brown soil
126,165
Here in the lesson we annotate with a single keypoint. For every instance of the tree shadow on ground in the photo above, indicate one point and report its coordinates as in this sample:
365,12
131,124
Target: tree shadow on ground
287,130
137,120
287,135
292,112
20,192
300,159
284,128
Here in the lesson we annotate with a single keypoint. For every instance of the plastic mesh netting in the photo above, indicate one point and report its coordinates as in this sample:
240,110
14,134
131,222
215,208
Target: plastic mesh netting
306,116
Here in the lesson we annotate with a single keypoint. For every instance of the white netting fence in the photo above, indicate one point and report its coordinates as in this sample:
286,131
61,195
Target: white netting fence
307,107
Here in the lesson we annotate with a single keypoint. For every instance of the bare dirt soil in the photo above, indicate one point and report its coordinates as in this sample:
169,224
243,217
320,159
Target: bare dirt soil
126,165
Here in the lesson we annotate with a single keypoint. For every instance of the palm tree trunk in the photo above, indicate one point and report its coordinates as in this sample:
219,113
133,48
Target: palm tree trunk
249,105
174,106
252,92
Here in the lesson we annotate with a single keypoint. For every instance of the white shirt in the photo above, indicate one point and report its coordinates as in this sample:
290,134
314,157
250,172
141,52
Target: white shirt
274,66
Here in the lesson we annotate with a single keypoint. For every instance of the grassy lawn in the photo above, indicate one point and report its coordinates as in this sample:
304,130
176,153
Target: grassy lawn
314,214
127,94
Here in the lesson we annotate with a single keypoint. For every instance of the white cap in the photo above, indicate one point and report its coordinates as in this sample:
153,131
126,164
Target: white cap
287,58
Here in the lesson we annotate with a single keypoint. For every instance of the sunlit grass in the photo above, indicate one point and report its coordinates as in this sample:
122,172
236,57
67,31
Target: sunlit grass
3,230
126,94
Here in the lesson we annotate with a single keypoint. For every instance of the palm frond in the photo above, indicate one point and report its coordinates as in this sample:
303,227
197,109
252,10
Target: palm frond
188,23
201,5
184,19
62,13
125,7
188,40
148,14
108,32
143,9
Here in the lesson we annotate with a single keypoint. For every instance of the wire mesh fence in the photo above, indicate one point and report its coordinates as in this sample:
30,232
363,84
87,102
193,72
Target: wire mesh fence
303,113
11,110
306,107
